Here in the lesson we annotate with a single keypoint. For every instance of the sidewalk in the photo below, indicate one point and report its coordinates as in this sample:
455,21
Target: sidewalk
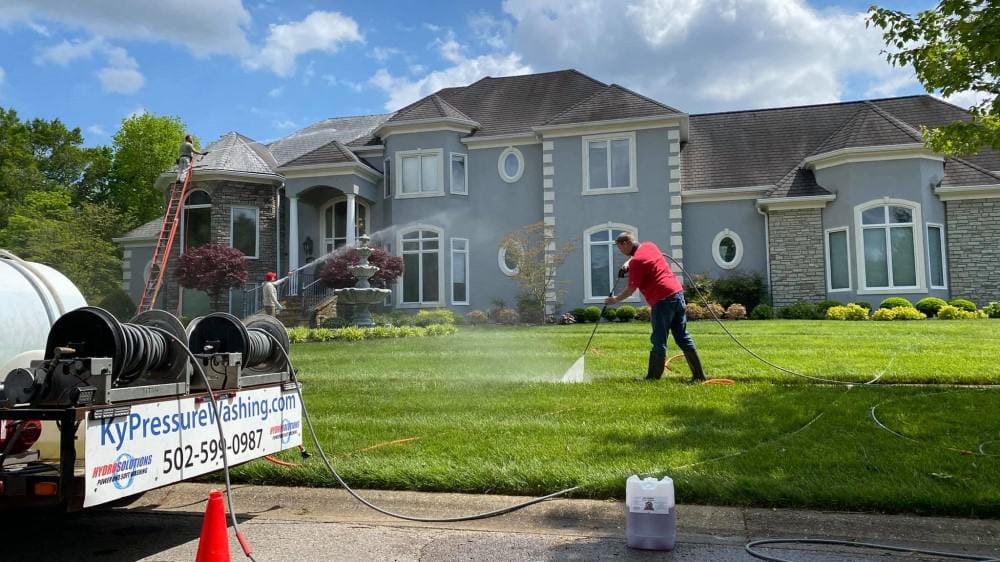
327,524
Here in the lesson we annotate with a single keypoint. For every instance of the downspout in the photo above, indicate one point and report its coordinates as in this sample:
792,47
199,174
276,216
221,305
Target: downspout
277,227
767,251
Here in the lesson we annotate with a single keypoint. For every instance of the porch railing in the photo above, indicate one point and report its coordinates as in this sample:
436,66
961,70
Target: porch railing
291,285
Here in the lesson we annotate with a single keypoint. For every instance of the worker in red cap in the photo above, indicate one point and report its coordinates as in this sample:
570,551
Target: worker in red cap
271,304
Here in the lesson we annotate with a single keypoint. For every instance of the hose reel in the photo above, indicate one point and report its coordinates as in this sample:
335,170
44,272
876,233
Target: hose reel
222,334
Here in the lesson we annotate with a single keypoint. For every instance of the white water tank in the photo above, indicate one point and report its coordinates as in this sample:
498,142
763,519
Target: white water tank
32,297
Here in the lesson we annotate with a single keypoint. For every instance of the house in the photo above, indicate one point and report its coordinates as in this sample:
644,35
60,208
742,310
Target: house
839,201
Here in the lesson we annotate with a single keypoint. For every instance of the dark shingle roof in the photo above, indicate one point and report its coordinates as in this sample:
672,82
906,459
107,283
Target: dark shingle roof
613,102
515,104
149,230
356,131
961,173
763,147
236,153
430,107
331,153
800,182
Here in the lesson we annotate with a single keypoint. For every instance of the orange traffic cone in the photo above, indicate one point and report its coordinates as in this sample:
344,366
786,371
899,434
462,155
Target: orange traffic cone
213,546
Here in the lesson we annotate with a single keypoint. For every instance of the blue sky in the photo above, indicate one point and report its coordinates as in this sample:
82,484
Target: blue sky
266,68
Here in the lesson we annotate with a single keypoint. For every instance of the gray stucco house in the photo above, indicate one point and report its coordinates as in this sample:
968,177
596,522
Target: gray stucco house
839,201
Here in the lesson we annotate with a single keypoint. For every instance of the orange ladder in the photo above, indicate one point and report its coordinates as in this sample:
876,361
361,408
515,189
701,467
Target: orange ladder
164,242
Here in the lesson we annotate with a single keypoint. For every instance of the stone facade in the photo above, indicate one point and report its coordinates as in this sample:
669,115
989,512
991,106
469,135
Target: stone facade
973,239
226,195
796,254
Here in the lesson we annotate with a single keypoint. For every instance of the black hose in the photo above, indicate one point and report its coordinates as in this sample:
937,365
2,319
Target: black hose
143,350
614,288
259,349
752,544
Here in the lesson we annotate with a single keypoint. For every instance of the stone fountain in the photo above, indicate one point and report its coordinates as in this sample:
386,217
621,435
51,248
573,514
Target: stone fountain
362,294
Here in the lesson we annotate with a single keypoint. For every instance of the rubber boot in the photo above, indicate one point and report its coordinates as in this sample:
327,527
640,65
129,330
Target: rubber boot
657,361
694,363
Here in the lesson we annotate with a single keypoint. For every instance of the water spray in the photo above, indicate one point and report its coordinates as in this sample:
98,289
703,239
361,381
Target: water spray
576,372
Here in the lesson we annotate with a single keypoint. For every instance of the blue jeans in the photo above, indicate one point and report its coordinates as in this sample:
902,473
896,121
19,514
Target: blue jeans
670,314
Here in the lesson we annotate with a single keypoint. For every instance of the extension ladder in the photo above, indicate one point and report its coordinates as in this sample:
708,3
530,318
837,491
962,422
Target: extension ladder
164,242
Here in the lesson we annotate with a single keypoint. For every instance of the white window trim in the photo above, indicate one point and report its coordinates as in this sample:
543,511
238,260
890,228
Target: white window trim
398,172
200,206
829,268
587,282
918,248
520,164
633,185
387,178
440,251
232,220
321,238
739,249
944,256
451,173
451,272
502,262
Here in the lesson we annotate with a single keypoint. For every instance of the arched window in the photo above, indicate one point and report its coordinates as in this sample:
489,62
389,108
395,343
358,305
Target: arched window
602,260
890,245
423,276
196,220
333,223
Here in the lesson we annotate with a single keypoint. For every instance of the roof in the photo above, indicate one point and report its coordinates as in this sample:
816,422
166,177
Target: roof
150,230
237,153
613,102
768,146
961,173
430,107
353,131
331,153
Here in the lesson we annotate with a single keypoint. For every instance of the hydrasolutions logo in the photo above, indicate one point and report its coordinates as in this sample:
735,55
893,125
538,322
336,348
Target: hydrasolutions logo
123,471
285,431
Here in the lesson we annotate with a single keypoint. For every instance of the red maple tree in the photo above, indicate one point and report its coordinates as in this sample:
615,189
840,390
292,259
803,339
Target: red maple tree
214,269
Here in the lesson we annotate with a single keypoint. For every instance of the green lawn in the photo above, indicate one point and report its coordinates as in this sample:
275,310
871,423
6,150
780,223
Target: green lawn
483,411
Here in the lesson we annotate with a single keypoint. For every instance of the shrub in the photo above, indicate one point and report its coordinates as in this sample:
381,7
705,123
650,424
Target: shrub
213,268
410,331
298,334
699,289
964,304
336,323
798,311
609,314
696,311
118,303
930,305
736,312
762,312
863,304
349,334
336,270
459,320
849,312
904,313
950,312
895,302
626,313
713,311
993,309
885,314
321,334
748,289
823,306
441,330
567,318
477,317
509,316
643,313
591,314
426,318
579,314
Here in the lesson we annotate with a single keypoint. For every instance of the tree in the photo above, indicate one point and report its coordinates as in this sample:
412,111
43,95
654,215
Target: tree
214,269
336,274
536,270
45,228
953,48
145,146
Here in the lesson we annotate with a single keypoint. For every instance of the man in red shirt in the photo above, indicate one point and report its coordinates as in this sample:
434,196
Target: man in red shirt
649,273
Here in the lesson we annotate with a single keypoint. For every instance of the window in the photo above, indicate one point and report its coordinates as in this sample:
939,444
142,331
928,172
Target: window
333,223
609,163
244,231
459,175
459,271
196,220
386,178
422,273
935,247
420,173
509,258
727,249
510,164
889,245
838,261
602,260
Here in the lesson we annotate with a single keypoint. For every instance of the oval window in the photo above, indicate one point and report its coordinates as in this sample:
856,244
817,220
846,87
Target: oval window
511,164
508,259
727,249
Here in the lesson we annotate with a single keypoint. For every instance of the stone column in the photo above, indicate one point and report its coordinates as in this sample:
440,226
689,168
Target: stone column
352,221
798,266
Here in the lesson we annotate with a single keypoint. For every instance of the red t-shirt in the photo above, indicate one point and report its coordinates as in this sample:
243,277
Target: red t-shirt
648,271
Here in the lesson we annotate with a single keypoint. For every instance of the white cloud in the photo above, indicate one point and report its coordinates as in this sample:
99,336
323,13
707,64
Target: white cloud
285,124
69,51
203,26
966,99
120,75
2,75
97,130
707,55
39,29
276,92
319,31
382,54
490,31
892,84
335,82
403,90
139,110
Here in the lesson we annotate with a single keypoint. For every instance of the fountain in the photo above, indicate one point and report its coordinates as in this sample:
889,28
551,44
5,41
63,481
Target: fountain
362,294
